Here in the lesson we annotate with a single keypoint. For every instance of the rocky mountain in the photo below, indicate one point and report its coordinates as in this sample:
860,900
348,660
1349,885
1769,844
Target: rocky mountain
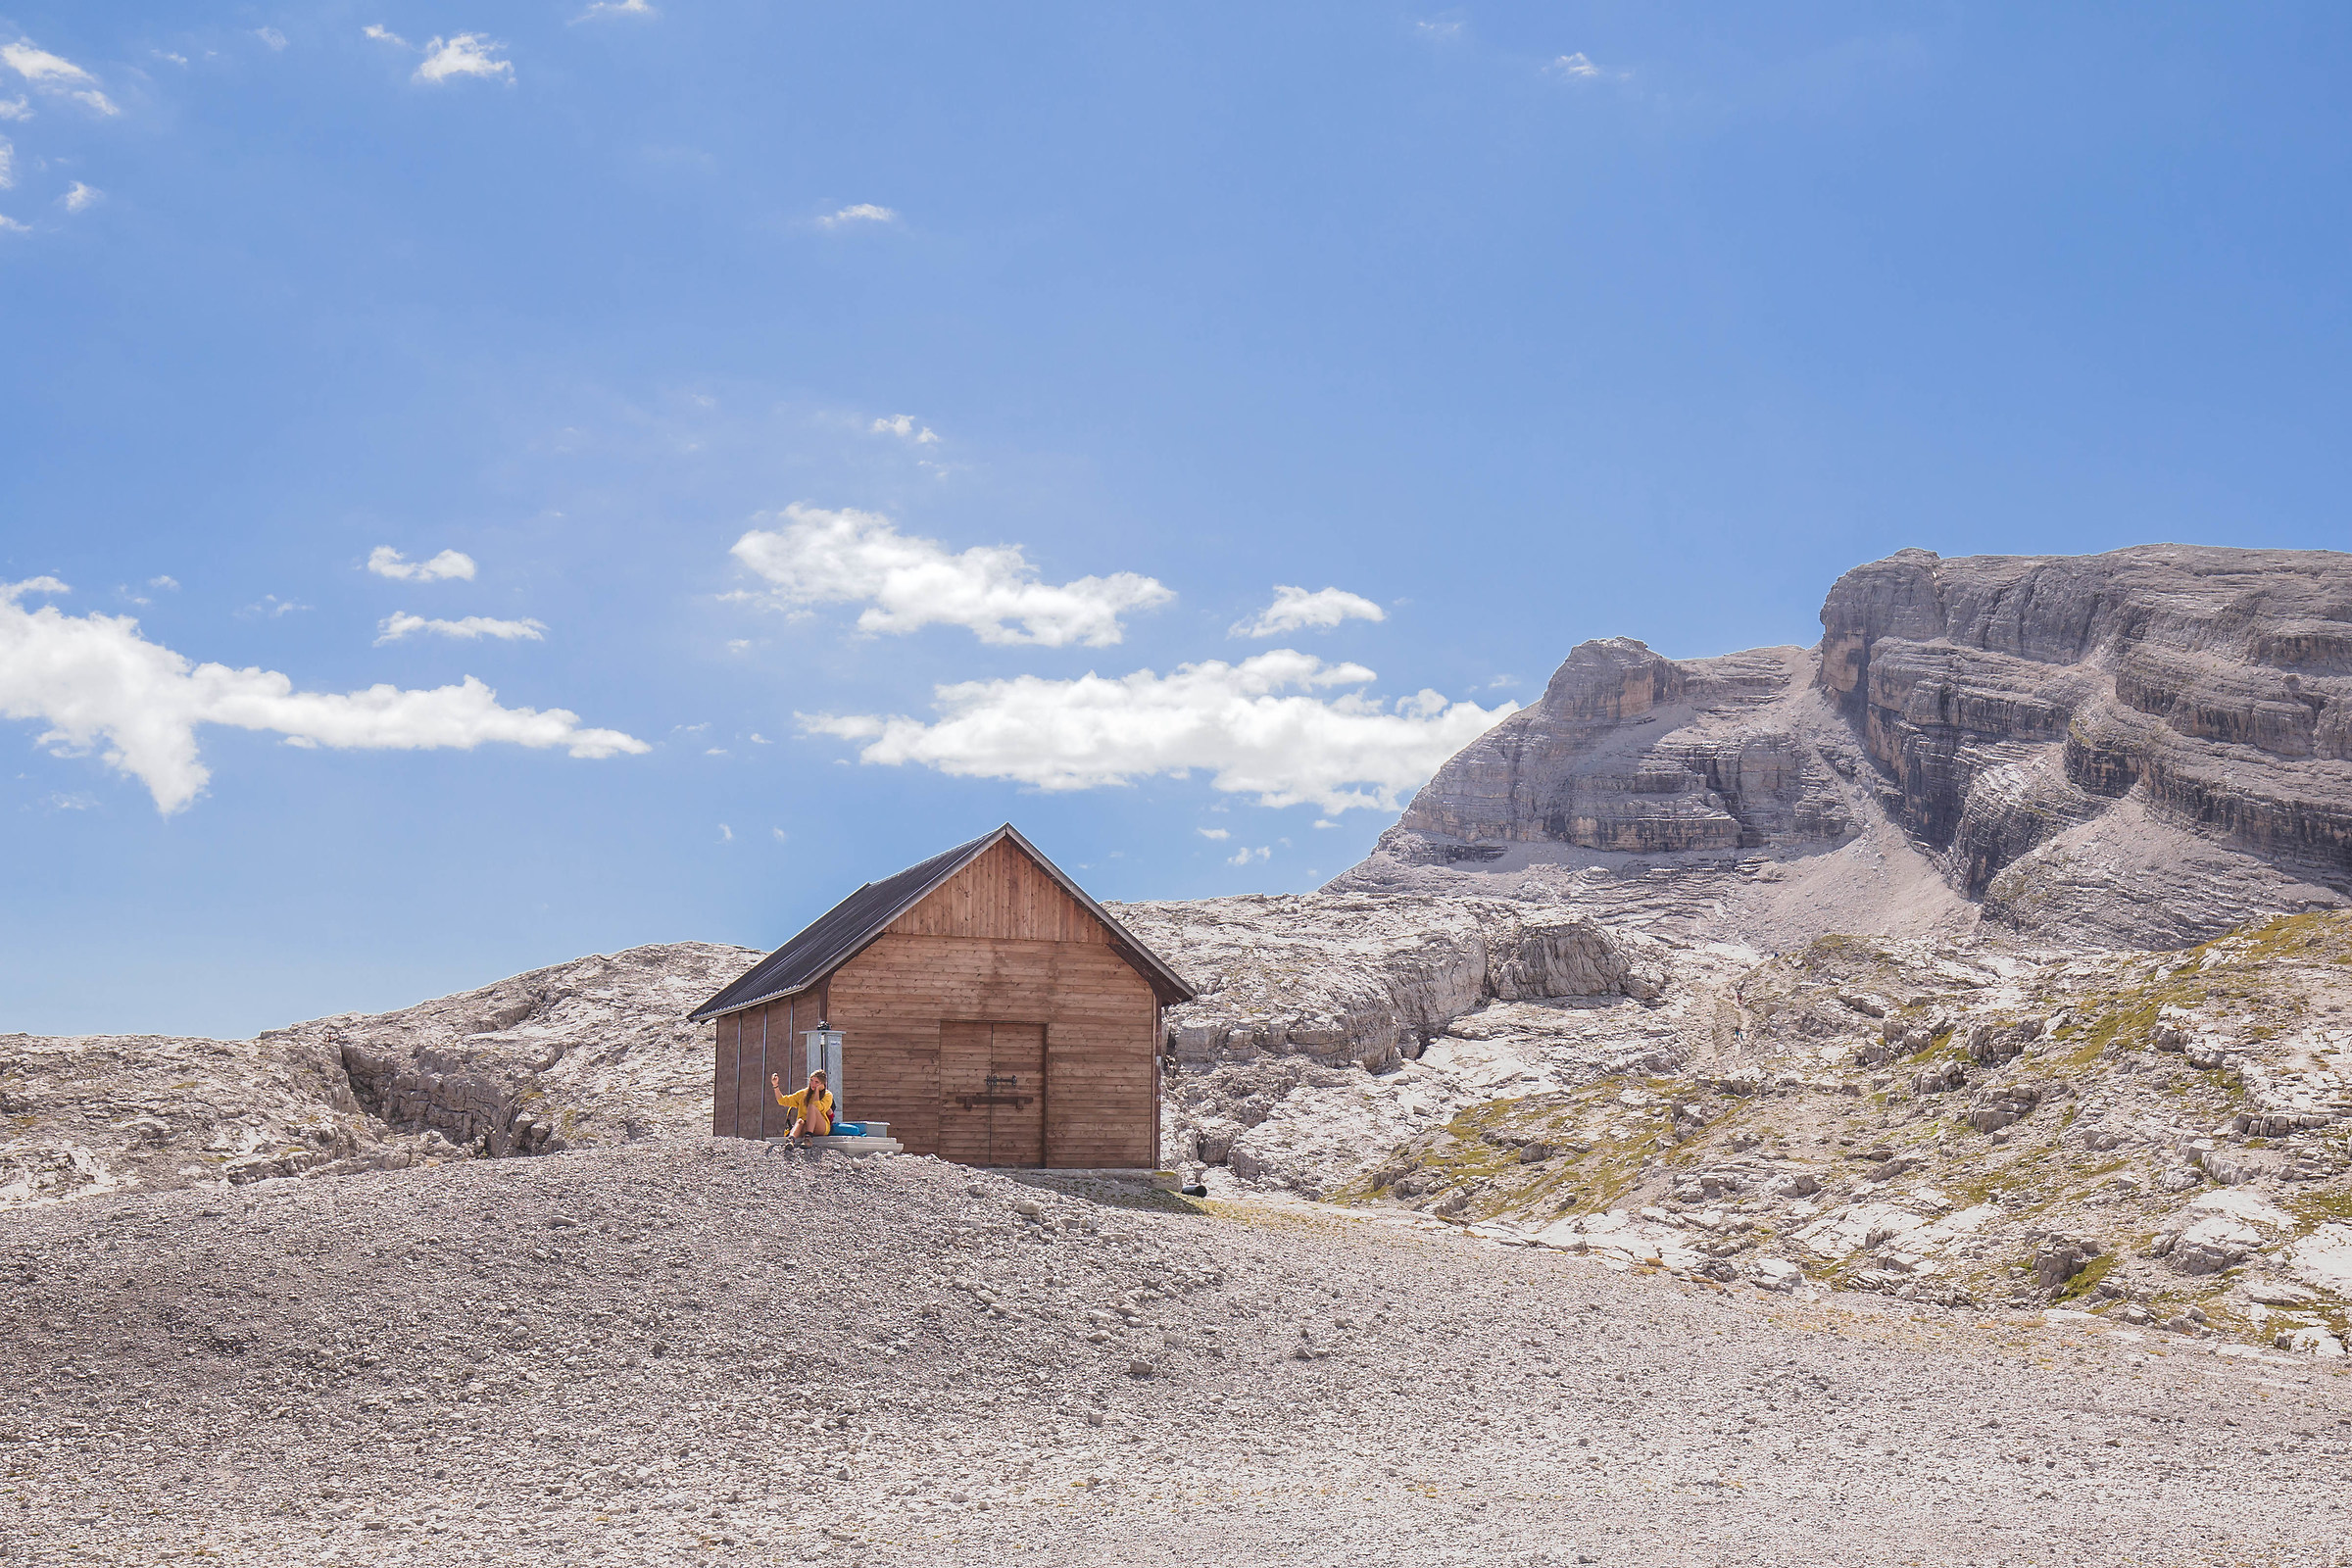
1981,954
2144,748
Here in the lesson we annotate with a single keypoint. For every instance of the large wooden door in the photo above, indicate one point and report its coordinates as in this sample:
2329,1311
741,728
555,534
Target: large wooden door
992,1093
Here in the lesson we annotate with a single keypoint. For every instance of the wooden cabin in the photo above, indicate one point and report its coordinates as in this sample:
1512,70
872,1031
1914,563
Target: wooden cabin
991,1013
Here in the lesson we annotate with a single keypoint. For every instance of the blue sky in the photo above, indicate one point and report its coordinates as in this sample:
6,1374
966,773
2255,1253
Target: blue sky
754,372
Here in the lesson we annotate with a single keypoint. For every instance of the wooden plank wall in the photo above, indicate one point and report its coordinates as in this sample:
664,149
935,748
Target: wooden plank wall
1101,1053
966,1050
722,1076
739,1086
1004,895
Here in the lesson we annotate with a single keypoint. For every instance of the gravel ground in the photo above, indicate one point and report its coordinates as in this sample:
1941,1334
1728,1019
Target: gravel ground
705,1352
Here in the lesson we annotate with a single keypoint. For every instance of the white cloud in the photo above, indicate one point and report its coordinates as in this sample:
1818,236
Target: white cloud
1219,834
726,834
739,645
270,37
903,426
474,628
52,74
386,562
39,66
1296,610
1576,68
466,54
618,8
1324,821
8,165
9,226
1245,854
17,108
99,685
81,198
273,606
1438,30
862,212
851,557
383,35
781,835
1259,727
168,584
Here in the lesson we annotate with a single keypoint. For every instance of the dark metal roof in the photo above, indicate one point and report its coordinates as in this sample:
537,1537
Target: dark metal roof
847,929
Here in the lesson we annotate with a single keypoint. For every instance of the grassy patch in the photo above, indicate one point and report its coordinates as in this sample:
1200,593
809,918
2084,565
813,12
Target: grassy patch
2084,1283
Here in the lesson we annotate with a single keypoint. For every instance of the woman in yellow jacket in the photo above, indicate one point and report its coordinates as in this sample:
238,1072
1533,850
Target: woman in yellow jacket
812,1107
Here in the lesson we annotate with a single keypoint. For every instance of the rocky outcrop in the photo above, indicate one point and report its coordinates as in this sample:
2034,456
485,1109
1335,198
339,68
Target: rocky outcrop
591,1052
1370,980
1634,753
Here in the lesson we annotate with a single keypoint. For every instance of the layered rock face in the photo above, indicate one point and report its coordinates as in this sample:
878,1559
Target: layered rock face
1634,752
1370,980
2143,747
2013,704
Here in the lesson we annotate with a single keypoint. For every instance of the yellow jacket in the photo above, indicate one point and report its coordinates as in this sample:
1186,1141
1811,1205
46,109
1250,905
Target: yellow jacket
819,1116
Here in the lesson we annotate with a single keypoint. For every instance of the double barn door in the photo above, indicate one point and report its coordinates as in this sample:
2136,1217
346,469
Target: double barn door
992,1093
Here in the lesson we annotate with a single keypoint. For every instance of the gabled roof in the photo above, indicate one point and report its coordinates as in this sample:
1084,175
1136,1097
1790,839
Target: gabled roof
851,926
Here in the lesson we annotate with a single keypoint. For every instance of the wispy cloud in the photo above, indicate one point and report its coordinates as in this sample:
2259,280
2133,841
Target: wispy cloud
617,8
168,584
473,628
270,37
383,35
1296,610
81,198
465,54
849,556
99,685
862,212
1443,30
18,108
905,427
1262,727
271,607
9,226
1219,834
8,165
1579,67
386,562
54,74
1245,855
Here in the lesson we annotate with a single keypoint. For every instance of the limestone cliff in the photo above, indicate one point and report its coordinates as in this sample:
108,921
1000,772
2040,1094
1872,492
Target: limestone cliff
2144,748
2015,702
